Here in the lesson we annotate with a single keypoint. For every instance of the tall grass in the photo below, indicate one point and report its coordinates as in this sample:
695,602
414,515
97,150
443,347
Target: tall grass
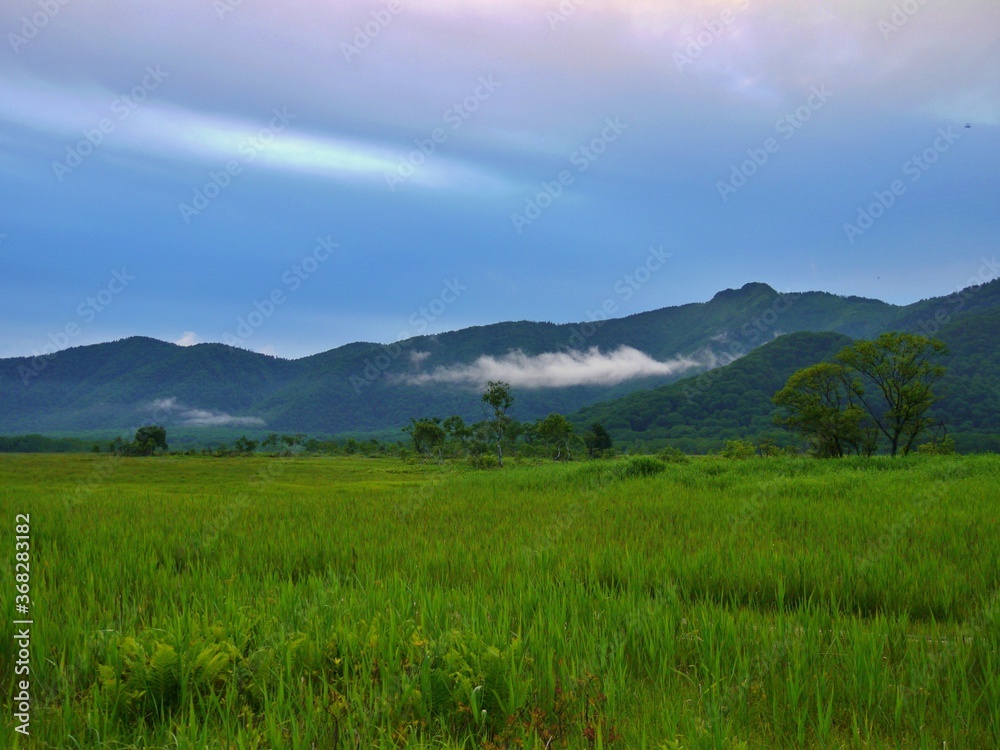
349,603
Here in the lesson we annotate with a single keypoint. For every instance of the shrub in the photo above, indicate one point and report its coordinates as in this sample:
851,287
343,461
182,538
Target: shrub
639,466
767,448
943,447
484,461
672,455
739,449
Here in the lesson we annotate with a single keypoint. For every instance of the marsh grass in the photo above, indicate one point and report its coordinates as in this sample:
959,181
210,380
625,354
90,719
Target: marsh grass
356,603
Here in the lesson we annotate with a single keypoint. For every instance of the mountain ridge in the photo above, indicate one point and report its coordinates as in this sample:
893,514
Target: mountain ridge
367,386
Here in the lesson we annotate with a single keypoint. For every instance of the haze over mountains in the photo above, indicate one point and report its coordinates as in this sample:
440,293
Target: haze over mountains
623,372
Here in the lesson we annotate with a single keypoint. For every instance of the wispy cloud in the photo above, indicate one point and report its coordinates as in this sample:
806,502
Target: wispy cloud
191,417
557,369
275,141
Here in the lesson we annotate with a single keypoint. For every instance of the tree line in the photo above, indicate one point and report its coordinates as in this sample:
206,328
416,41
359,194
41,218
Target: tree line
873,396
499,434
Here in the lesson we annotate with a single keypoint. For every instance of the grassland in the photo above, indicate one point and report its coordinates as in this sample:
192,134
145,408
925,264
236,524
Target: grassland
355,603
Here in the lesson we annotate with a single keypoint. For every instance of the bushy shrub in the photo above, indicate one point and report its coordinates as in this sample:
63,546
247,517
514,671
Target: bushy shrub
484,461
638,466
739,449
767,448
943,447
672,455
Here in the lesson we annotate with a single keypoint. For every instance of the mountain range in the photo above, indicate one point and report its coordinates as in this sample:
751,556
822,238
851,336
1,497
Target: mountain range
692,374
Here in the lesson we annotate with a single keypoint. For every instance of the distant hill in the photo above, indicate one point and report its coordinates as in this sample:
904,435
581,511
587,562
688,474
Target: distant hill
700,413
365,387
971,404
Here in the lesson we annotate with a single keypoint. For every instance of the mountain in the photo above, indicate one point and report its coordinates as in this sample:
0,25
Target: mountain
366,387
700,413
734,401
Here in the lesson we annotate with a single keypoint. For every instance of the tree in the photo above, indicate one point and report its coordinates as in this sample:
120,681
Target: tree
556,431
146,442
148,439
597,440
882,387
427,435
244,446
738,449
895,383
291,441
456,429
499,398
818,402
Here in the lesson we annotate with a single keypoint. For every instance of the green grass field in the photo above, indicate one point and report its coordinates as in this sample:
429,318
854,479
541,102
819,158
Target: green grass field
356,603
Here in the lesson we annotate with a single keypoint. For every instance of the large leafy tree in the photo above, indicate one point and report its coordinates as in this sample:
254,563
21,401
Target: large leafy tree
245,446
881,388
456,429
597,440
555,431
427,435
818,402
147,441
895,378
499,398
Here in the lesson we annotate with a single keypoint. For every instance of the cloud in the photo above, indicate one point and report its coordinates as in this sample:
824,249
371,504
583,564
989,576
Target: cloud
557,369
273,139
190,338
191,417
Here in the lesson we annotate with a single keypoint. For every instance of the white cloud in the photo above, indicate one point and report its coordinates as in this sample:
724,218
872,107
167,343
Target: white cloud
557,369
275,141
190,338
191,417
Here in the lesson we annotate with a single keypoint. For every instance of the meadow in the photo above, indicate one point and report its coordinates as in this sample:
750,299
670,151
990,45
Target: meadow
196,602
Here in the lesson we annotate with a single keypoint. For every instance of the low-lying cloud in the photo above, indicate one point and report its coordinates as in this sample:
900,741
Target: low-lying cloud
557,369
191,417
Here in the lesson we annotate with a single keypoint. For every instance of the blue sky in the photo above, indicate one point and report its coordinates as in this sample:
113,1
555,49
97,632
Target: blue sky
295,177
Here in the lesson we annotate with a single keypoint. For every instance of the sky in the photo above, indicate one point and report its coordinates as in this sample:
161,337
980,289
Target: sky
291,177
